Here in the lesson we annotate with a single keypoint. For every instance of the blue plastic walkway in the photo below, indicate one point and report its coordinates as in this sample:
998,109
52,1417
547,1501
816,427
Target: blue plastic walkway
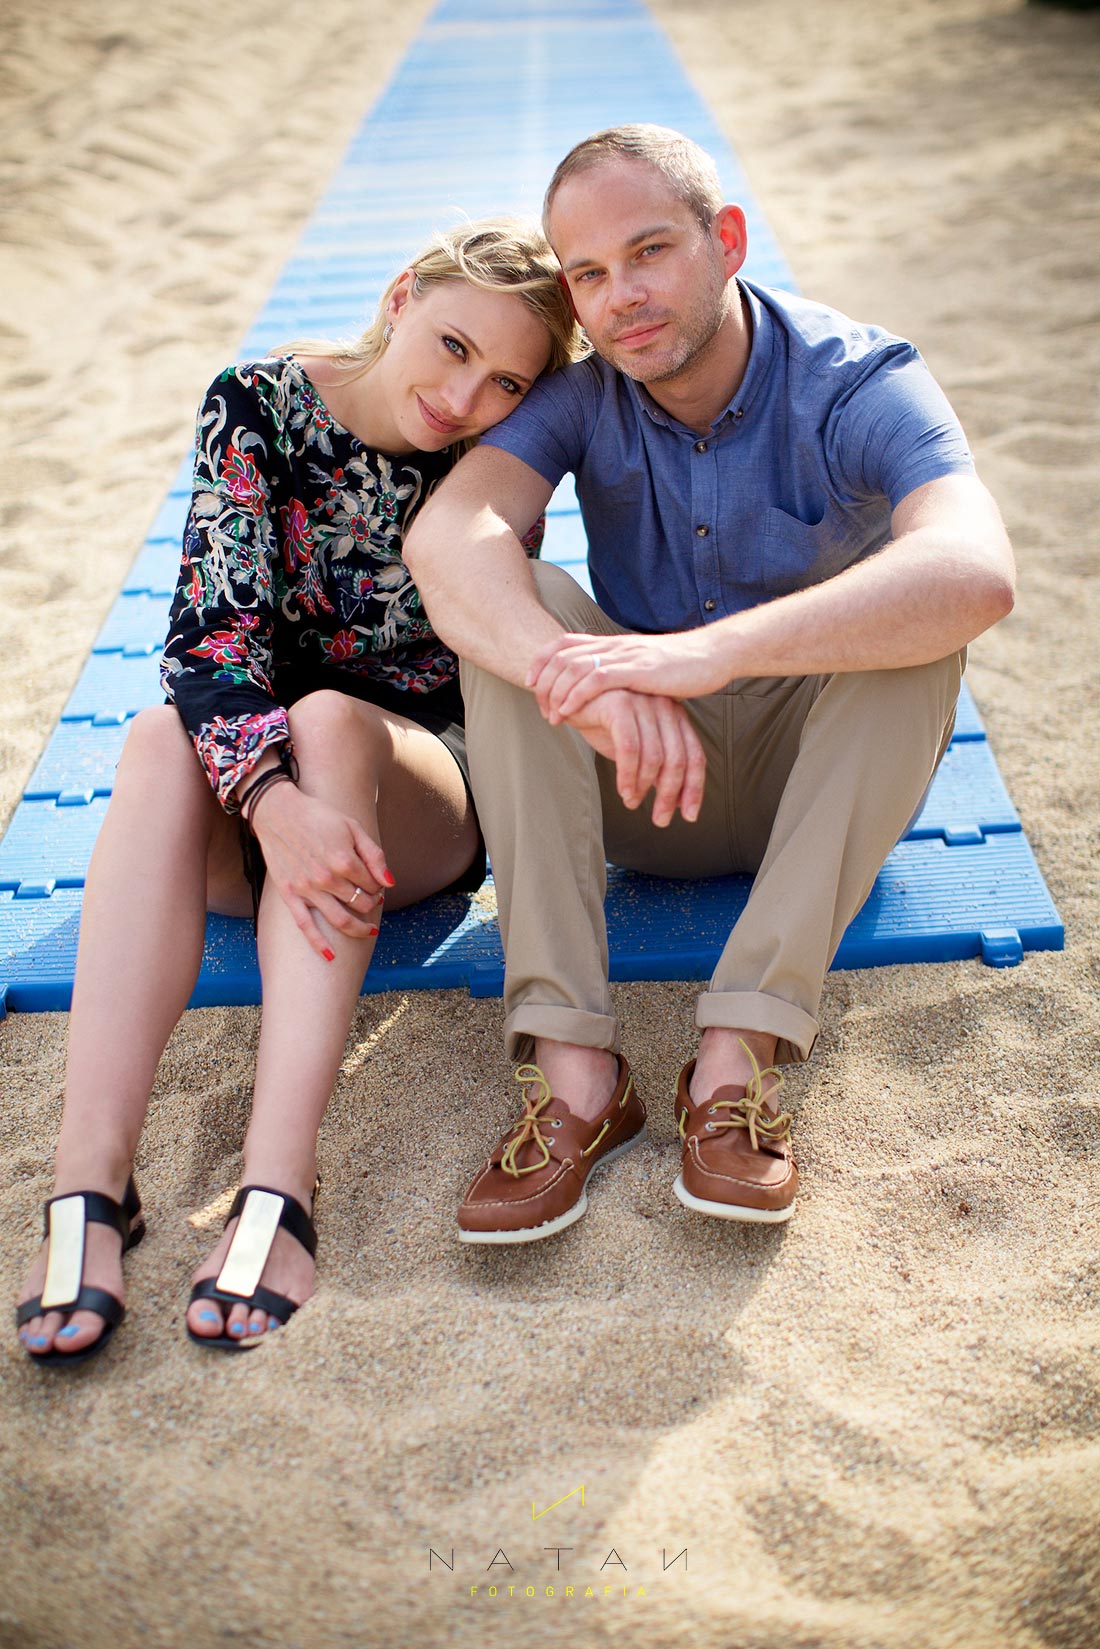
488,98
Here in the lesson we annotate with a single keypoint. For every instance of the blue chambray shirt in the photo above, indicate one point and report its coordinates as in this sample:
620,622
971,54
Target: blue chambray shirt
832,425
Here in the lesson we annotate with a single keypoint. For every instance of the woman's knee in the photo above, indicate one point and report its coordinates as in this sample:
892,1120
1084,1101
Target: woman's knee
157,745
332,727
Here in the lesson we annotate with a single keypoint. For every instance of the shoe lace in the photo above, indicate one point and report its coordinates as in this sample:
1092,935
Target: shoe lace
528,1128
748,1111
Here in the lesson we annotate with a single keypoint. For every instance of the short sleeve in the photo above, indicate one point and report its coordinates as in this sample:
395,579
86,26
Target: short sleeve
217,663
894,429
550,429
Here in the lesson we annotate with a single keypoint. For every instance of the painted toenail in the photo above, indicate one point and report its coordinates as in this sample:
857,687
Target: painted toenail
40,1340
209,1317
255,1328
236,1328
67,1333
273,1322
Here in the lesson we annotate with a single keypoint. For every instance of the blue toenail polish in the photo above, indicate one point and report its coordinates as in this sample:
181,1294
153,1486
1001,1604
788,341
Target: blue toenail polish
67,1333
40,1340
273,1322
208,1317
256,1328
236,1328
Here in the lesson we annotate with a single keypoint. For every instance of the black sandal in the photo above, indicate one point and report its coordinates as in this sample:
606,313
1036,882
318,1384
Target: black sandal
262,1211
66,1222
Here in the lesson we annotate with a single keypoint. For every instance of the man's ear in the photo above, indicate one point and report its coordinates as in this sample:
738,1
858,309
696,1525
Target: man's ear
733,238
399,297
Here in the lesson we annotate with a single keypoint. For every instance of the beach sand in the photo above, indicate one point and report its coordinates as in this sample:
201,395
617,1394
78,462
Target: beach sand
875,1428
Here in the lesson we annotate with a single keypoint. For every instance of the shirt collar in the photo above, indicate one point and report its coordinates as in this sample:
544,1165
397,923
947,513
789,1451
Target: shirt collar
761,351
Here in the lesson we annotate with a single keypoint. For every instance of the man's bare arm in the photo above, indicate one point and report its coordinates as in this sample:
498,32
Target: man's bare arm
465,555
947,575
466,559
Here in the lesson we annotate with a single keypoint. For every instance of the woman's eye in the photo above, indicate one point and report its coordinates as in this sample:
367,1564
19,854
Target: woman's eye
454,346
509,386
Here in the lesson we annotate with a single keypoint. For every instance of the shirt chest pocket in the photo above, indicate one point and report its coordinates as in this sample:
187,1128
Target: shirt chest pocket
786,554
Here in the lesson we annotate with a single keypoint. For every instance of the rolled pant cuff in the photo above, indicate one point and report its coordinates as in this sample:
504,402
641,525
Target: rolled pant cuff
753,1011
576,1025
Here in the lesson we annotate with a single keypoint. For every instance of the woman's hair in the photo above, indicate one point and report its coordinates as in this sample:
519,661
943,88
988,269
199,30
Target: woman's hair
495,254
689,169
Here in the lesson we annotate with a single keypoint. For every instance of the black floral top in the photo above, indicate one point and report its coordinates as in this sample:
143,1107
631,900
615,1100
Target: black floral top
291,555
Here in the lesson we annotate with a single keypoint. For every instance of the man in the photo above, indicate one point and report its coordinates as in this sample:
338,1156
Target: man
790,551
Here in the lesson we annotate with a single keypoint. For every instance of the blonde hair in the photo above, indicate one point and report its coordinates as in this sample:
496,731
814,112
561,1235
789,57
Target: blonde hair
495,254
688,168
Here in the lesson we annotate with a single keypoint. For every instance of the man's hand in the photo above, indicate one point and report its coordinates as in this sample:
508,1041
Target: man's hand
654,746
317,857
568,673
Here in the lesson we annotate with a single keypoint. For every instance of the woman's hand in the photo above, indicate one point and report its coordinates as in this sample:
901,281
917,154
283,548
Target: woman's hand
571,671
318,857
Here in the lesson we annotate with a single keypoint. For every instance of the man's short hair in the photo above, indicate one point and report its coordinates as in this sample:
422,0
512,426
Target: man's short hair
689,169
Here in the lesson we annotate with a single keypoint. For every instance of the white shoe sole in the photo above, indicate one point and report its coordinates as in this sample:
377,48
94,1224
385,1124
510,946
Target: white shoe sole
535,1233
730,1211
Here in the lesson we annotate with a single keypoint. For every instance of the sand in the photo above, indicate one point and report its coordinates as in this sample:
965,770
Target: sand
876,1427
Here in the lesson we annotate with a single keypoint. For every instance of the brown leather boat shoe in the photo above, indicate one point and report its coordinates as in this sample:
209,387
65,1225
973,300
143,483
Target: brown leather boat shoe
535,1182
737,1162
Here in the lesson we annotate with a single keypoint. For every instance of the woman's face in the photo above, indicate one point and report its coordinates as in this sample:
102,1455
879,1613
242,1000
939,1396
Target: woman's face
459,360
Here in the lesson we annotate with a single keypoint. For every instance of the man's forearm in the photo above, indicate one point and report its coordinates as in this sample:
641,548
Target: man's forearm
915,601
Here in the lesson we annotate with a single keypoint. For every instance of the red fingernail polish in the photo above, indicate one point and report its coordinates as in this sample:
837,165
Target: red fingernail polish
389,879
329,955
371,932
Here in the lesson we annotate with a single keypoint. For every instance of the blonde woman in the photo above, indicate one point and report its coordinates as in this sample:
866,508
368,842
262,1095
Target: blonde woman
309,763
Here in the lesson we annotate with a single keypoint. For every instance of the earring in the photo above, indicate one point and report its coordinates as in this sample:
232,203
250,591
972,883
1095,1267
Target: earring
387,332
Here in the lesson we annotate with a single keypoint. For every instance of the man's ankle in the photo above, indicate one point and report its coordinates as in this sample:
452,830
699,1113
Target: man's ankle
730,1057
582,1078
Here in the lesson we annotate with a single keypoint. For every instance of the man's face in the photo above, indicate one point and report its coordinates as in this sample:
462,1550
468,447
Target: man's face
648,282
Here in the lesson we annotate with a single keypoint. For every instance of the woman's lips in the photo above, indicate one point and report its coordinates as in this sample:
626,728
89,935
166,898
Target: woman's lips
435,420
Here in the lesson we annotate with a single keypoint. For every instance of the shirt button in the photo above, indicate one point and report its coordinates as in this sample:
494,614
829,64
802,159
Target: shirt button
700,446
708,606
701,532
739,413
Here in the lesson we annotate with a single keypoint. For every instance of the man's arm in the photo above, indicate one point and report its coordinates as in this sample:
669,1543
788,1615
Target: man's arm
465,556
947,575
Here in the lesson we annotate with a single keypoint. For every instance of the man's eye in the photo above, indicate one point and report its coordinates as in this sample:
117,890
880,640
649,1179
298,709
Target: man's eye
454,346
656,247
584,276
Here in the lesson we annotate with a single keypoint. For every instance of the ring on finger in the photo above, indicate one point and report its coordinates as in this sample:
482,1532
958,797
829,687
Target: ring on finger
354,896
597,661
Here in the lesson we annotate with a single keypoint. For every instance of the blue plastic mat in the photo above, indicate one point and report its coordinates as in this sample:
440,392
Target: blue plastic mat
489,97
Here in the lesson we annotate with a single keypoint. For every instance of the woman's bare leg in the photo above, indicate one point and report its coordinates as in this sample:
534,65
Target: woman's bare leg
141,938
405,788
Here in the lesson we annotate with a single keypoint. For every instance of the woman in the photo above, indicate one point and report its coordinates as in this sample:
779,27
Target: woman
325,715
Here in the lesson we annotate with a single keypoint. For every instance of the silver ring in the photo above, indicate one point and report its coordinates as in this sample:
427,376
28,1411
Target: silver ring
597,661
354,896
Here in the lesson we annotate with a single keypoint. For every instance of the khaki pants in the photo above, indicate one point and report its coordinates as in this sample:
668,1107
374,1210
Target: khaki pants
810,783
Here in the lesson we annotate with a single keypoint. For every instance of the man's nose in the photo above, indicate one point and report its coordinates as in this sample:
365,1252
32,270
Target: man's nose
627,290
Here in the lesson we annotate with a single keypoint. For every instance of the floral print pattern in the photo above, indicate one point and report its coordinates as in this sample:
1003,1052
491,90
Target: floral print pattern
291,554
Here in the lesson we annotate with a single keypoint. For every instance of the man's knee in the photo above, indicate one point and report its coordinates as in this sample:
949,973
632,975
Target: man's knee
561,595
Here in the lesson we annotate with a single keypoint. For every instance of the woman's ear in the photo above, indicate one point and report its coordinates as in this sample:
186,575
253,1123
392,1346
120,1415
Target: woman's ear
399,297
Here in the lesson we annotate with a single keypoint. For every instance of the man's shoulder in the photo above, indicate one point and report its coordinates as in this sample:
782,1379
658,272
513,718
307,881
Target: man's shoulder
821,339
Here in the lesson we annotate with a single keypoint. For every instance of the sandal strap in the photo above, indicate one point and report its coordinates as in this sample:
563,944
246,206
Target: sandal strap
88,1298
293,1217
264,1299
67,1219
259,1211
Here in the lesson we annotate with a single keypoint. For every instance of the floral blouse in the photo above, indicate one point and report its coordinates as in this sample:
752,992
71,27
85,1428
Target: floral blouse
291,555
